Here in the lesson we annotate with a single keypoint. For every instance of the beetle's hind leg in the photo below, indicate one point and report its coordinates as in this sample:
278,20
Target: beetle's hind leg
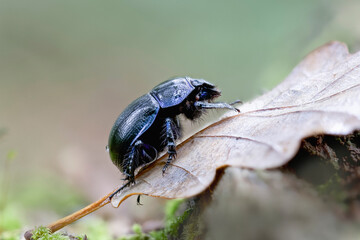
133,161
172,133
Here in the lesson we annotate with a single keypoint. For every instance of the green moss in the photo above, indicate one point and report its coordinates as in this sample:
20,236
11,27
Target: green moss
333,188
43,233
157,235
171,208
172,224
138,234
193,228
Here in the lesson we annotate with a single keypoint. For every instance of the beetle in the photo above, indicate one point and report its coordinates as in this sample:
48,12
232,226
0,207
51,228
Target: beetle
150,123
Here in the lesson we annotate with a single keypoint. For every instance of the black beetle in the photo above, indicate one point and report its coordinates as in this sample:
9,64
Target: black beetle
150,123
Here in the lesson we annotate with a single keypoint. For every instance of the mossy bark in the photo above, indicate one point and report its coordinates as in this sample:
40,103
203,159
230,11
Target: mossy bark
315,196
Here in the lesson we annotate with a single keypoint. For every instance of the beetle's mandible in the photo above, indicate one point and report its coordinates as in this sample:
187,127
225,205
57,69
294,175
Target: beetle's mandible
150,123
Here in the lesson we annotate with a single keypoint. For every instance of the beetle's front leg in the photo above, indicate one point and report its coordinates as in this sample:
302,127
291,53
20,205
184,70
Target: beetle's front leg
217,105
171,130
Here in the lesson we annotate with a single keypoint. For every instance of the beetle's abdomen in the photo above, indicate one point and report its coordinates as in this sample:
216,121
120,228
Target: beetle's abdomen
129,126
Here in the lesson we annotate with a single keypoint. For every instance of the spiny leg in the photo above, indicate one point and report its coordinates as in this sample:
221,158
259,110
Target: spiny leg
132,161
139,154
217,105
171,130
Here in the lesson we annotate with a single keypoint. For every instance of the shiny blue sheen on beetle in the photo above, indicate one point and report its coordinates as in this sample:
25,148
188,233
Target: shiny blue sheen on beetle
150,123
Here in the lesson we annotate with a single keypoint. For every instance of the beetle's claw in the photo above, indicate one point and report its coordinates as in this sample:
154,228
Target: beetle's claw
132,180
164,169
172,155
129,178
234,103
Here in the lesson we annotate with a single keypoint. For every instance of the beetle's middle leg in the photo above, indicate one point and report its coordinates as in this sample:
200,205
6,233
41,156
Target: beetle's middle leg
172,132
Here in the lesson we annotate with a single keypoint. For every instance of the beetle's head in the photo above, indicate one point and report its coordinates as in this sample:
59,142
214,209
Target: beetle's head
205,90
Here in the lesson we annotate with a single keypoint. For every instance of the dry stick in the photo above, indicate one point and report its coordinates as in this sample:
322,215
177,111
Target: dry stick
59,224
79,214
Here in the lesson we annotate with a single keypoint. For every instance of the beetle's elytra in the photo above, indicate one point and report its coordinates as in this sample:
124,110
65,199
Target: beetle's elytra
150,123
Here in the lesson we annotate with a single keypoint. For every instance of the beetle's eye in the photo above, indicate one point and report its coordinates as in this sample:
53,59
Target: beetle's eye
207,93
203,95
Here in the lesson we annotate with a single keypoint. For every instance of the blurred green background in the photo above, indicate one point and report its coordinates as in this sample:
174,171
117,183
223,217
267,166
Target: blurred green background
68,68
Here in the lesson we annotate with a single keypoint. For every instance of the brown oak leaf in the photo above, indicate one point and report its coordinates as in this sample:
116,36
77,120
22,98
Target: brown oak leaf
320,96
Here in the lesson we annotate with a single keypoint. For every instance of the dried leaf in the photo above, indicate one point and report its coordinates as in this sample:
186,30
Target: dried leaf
320,96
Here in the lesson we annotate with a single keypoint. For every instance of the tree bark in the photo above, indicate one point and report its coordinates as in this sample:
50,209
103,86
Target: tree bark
315,196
